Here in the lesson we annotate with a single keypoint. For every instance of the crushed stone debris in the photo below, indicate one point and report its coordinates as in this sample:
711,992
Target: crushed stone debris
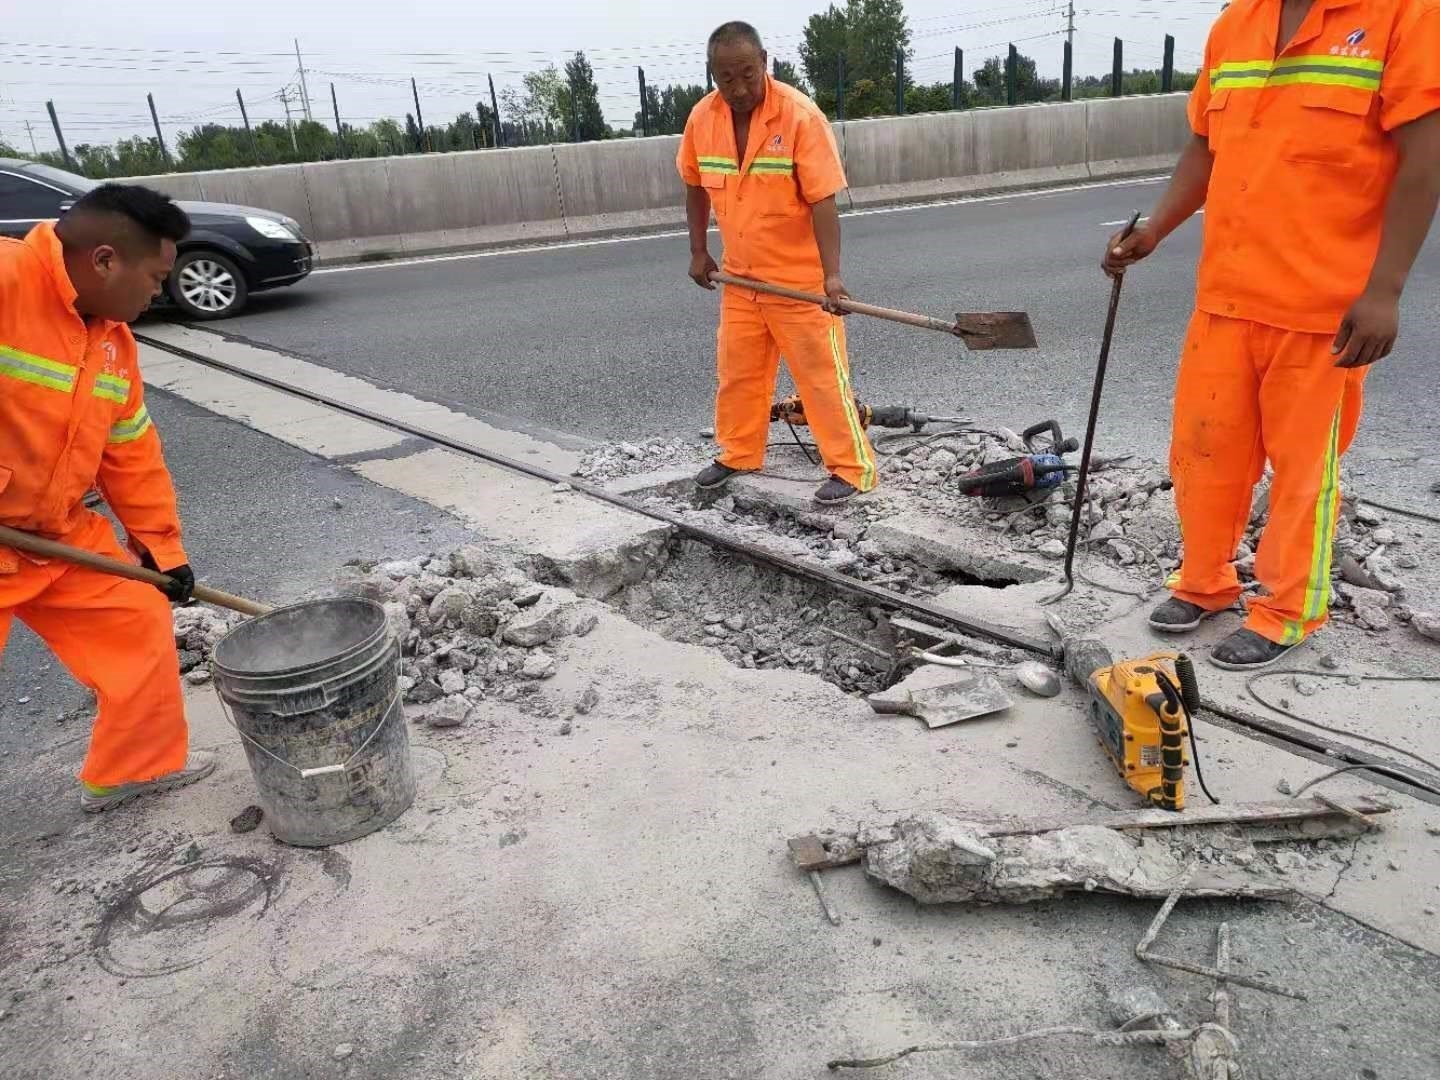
248,820
1129,520
473,626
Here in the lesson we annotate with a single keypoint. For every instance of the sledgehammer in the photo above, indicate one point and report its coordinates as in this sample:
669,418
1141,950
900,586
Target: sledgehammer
50,549
979,329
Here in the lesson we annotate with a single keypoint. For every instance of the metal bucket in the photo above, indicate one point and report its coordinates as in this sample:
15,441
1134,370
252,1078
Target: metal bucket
314,692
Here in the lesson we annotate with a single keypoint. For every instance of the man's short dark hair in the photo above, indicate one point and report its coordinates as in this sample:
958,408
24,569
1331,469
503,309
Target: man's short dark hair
735,33
148,213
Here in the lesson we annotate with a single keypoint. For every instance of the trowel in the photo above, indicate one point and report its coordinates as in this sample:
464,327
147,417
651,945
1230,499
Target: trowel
940,706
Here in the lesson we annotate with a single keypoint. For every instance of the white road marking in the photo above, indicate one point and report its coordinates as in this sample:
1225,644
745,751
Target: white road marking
1040,193
1126,221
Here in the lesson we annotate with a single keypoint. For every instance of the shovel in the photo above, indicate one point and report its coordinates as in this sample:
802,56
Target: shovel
50,549
979,330
941,706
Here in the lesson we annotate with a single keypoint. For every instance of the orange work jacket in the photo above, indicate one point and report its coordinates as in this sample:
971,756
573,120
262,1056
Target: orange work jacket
762,198
72,412
1304,161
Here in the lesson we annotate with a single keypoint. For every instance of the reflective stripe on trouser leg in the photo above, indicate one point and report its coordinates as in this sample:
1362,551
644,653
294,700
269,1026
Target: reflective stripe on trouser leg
747,361
813,344
1308,416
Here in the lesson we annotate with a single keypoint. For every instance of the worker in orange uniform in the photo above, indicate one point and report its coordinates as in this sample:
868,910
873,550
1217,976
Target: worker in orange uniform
1316,153
73,417
763,157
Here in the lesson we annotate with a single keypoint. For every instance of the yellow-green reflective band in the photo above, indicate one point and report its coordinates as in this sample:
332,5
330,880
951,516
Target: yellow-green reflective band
130,430
112,388
1317,587
1318,70
852,418
719,165
1320,78
27,367
784,166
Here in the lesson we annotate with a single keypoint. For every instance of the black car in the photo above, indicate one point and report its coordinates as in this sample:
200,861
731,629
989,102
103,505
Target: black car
231,252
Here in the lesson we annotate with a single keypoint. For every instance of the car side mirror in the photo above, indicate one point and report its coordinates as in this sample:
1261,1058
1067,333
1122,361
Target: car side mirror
66,205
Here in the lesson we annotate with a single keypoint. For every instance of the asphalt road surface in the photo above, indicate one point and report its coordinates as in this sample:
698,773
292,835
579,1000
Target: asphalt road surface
613,341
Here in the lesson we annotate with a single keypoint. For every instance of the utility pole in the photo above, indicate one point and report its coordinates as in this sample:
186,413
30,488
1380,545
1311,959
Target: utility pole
159,137
900,81
285,100
495,111
840,87
957,88
1070,25
644,107
304,87
339,131
254,150
59,136
419,120
31,132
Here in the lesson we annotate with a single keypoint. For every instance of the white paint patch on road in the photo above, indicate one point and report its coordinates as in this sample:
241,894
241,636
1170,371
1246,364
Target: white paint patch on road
1041,193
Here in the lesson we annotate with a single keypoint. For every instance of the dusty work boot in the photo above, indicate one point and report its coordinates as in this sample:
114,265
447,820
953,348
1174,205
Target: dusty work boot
1176,616
715,476
835,491
198,765
1245,650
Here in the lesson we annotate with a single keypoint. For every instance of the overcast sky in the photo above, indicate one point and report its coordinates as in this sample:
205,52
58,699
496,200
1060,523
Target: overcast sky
96,60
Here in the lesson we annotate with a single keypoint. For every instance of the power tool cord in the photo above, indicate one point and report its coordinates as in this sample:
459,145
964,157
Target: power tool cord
1180,696
803,448
1342,732
1418,515
1394,774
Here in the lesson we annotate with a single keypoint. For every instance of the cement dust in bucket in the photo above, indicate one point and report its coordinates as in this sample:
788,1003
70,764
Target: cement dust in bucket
314,692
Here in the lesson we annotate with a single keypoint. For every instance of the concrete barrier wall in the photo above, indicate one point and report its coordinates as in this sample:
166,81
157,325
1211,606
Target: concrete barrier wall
398,206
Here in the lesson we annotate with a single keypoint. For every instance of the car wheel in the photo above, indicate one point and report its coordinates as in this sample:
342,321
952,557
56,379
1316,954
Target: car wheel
207,285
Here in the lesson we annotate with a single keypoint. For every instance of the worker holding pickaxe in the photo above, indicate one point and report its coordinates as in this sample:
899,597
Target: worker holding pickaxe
1316,153
762,156
73,417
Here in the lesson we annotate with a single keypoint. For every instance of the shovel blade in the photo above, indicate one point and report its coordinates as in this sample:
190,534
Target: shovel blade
983,330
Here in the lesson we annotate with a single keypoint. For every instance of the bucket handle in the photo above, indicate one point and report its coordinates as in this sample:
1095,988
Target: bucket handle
322,770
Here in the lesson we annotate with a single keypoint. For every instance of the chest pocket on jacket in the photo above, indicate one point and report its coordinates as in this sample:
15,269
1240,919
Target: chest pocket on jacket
1333,130
1216,119
714,185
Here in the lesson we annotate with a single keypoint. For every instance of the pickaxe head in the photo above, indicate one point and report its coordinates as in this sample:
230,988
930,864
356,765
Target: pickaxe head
981,330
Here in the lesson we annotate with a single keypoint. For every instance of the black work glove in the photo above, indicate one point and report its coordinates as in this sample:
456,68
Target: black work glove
182,580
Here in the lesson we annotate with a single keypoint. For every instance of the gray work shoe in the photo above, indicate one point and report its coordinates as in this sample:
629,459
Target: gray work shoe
715,476
1176,616
198,765
835,491
1245,650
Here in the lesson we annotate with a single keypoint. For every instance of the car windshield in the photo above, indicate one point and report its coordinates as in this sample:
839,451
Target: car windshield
60,176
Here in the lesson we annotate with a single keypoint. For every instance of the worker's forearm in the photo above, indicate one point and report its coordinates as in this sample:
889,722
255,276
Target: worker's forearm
1410,210
697,216
1187,190
826,218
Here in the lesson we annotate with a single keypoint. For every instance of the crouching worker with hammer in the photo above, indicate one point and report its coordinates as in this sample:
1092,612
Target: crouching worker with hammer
763,157
73,417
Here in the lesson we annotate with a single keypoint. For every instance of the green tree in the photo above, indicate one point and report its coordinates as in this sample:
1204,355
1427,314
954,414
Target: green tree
588,122
867,33
990,85
933,98
670,108
785,72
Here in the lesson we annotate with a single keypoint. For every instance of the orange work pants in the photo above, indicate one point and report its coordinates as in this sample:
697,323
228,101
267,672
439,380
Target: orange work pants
117,638
753,335
1247,393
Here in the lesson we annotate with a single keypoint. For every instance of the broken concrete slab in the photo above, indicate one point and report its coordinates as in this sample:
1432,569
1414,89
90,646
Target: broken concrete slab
939,859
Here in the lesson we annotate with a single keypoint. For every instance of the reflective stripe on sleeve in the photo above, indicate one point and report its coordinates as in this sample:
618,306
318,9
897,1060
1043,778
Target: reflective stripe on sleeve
126,431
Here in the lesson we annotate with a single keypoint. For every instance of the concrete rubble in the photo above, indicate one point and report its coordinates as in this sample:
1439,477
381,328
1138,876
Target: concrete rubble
1129,521
938,858
473,626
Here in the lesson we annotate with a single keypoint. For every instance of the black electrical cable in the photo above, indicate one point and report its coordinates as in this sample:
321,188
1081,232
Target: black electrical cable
1342,732
1182,692
796,436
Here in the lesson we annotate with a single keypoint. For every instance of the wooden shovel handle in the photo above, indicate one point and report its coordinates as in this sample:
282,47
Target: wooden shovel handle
855,307
51,549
